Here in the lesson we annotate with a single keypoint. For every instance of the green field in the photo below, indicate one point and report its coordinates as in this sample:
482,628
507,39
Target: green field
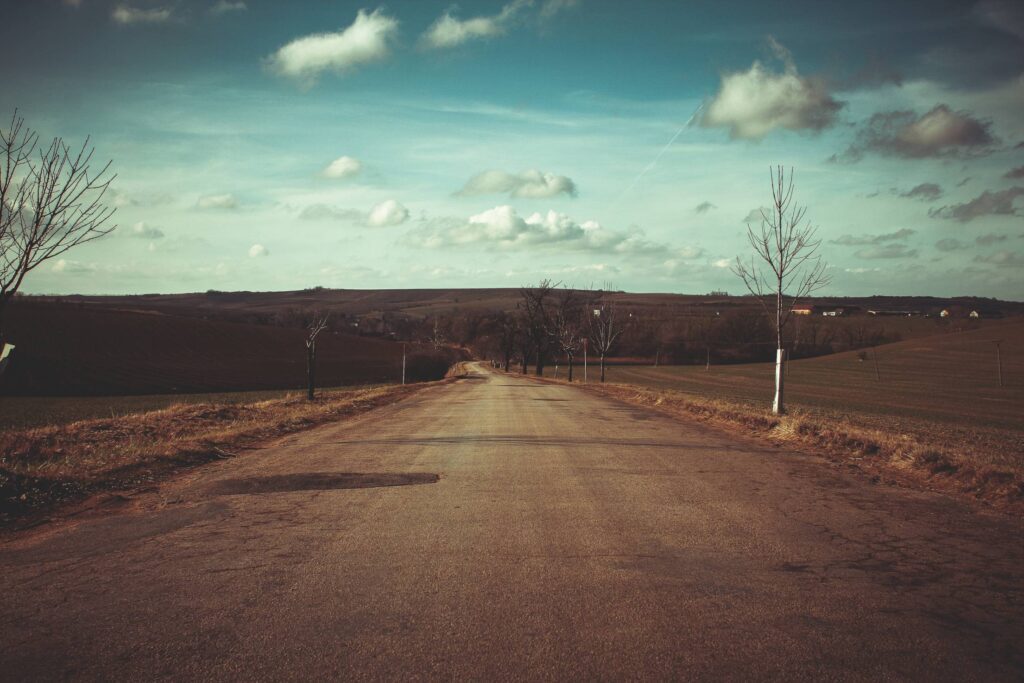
20,412
939,388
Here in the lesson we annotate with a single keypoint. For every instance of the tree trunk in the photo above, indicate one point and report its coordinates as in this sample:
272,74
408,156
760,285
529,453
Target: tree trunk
657,357
310,370
539,368
569,358
602,367
778,404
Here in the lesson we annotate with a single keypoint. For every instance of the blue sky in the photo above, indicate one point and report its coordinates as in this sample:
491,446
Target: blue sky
268,145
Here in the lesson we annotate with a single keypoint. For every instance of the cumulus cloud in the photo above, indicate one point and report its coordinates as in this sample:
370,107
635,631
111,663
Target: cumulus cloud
218,201
722,263
950,244
861,240
367,40
69,266
704,207
1015,173
325,212
387,213
988,203
257,250
755,102
225,6
1003,259
448,31
343,167
143,230
126,14
530,184
940,132
504,228
887,251
924,192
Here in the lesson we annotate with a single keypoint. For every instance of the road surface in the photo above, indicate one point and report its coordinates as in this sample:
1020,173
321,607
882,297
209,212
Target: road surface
498,528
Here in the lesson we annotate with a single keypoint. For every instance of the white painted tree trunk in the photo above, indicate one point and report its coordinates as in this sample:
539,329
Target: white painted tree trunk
778,407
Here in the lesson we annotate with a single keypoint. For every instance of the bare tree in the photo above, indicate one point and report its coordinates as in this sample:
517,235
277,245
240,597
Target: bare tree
537,318
508,338
790,268
50,201
316,325
568,328
605,328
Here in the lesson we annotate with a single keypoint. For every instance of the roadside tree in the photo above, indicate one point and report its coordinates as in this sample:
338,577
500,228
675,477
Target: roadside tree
51,201
785,266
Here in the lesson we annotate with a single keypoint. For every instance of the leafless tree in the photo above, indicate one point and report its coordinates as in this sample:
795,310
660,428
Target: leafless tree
604,328
50,201
437,338
508,338
537,316
316,325
785,265
568,328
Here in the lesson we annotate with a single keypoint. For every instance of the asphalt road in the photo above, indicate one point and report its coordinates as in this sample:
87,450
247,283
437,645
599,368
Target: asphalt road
501,528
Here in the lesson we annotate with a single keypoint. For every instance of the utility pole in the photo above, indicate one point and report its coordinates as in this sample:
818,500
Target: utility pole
403,363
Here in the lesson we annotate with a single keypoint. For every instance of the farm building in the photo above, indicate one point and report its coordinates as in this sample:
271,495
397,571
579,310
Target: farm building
804,310
974,314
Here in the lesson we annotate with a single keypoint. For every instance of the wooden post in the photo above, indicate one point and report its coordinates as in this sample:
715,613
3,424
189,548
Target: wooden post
403,363
707,368
874,358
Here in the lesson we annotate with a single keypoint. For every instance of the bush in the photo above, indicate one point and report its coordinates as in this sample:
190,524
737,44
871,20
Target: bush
427,366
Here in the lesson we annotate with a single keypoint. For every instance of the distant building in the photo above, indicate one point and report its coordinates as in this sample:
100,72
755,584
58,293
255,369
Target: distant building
944,313
903,314
805,310
975,314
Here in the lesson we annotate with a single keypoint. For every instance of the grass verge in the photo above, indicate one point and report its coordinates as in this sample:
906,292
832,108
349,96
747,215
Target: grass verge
903,457
44,467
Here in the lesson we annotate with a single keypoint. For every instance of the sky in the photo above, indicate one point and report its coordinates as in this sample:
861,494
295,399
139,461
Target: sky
270,146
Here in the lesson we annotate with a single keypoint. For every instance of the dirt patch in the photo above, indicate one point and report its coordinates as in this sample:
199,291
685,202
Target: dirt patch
319,481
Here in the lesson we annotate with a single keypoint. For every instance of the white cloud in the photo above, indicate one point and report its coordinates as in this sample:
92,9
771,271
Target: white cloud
143,230
218,201
387,213
755,102
257,250
343,167
550,8
69,266
449,32
528,184
722,263
126,14
225,6
366,41
504,228
326,212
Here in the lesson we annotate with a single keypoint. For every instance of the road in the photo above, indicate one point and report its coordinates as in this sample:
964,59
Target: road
498,528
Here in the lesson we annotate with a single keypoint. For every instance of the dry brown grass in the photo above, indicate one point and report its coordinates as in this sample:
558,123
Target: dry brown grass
907,457
45,466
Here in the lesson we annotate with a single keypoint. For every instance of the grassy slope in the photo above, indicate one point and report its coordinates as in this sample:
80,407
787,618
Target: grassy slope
941,390
43,467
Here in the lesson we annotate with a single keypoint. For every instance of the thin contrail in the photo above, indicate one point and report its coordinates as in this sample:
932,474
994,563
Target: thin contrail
664,149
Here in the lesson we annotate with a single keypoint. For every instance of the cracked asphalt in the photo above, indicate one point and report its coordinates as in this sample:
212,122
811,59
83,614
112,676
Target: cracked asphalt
500,528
